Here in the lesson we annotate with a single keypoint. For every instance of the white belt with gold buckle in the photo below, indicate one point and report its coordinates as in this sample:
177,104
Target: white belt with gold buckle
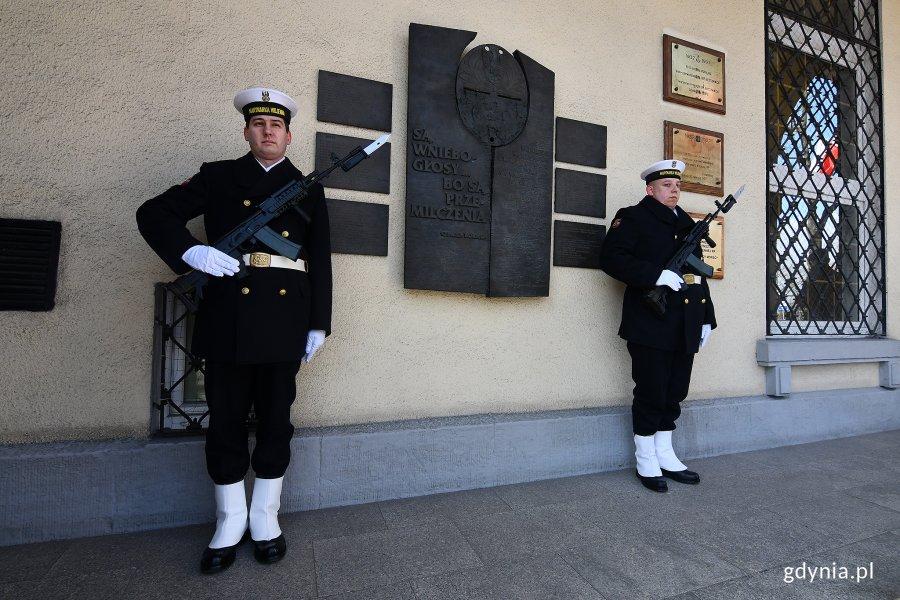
691,279
263,260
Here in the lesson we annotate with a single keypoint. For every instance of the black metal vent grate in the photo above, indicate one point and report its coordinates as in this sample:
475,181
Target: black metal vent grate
825,208
29,258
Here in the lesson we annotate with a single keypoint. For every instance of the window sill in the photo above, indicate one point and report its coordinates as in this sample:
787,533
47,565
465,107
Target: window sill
778,355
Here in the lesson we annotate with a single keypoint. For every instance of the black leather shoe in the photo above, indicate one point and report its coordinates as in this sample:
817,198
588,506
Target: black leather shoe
682,476
270,551
657,484
216,560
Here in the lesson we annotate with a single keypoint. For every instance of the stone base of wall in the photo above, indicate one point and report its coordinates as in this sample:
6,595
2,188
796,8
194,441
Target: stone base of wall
75,489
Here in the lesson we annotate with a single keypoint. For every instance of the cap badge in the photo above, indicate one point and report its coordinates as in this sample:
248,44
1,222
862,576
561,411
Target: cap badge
265,98
674,163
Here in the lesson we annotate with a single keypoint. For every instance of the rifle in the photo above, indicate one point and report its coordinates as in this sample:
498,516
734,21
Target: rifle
189,287
656,298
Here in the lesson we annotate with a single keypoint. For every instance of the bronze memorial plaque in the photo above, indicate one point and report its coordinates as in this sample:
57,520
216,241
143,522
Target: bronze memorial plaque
703,153
714,257
693,75
479,177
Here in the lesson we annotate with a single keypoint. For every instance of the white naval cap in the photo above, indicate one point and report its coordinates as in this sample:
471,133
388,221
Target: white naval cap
265,101
663,169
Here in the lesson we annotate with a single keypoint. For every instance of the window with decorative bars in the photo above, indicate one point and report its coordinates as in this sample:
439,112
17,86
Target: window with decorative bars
825,204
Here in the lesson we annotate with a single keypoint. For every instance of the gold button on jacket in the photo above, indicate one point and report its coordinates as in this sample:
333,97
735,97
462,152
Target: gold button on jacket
245,290
285,233
247,203
282,292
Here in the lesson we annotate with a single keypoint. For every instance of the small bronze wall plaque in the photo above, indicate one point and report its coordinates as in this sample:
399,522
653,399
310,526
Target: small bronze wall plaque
577,244
580,143
693,75
354,101
358,227
703,153
580,193
714,257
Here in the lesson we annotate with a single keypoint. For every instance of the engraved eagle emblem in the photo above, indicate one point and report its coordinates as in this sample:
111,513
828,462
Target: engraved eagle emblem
265,96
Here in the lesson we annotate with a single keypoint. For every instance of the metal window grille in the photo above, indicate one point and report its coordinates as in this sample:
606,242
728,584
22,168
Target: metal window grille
178,393
825,204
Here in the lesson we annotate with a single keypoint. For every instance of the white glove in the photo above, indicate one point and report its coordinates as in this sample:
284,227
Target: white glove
705,332
211,261
671,279
314,340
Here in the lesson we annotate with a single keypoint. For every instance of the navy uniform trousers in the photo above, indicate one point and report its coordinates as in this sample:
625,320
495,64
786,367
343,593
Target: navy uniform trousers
661,381
231,390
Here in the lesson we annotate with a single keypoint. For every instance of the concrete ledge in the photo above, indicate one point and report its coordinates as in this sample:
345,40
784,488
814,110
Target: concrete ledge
778,355
73,489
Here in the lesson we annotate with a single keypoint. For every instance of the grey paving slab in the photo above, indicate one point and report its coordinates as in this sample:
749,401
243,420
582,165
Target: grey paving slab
174,550
166,564
553,491
108,585
744,463
292,577
332,522
636,565
882,494
552,579
533,534
397,591
873,567
454,507
767,585
31,561
837,463
718,495
353,563
785,582
840,514
758,539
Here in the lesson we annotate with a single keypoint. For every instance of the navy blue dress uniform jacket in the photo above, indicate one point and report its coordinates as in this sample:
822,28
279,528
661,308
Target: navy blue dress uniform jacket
640,241
264,317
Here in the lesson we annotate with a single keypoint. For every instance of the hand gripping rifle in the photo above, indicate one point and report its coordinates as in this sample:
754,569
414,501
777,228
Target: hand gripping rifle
656,298
189,287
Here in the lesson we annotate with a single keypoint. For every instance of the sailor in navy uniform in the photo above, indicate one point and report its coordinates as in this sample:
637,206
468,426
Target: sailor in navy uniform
253,332
640,241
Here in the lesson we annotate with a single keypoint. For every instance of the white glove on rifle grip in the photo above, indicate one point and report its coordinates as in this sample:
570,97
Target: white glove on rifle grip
671,279
314,340
211,261
705,332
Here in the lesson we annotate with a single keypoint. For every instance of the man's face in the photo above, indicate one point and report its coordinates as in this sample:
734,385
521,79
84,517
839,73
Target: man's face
268,137
666,191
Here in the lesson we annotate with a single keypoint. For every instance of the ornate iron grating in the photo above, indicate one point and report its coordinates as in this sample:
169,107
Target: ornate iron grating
825,203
